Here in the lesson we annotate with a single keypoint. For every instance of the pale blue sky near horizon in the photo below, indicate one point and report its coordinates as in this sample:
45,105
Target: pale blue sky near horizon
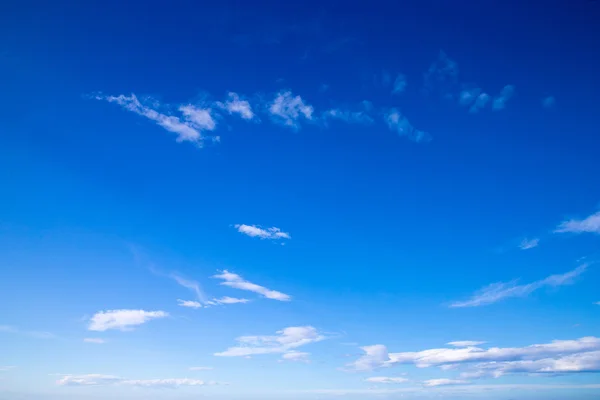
299,201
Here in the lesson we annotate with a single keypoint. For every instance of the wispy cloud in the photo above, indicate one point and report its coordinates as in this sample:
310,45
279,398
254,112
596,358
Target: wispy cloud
192,285
105,380
236,281
441,76
377,356
505,94
399,84
549,102
527,244
465,343
231,300
288,109
386,379
199,117
444,382
263,233
235,105
122,319
400,124
189,303
284,341
296,356
591,224
186,130
351,117
33,334
94,340
503,290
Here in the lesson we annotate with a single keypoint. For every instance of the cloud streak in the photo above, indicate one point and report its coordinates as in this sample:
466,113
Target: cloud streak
106,380
122,319
503,290
262,233
399,123
236,281
590,224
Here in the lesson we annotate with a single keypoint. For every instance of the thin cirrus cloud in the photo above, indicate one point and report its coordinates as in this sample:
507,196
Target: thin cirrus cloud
192,285
214,302
289,110
106,380
94,340
581,352
262,233
284,341
503,290
444,382
122,319
386,379
527,244
465,343
590,224
189,303
398,123
296,356
500,101
351,117
236,281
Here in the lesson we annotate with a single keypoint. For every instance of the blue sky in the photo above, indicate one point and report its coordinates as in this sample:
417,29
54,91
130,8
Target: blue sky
300,201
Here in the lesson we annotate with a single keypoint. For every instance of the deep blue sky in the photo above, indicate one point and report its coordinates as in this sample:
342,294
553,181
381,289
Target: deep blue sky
392,240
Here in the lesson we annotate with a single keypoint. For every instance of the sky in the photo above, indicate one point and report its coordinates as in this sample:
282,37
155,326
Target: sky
310,200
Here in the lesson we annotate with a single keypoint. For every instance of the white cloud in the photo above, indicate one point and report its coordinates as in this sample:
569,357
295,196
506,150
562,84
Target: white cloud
231,300
399,84
398,123
527,244
94,340
454,389
444,382
386,379
465,343
103,380
122,319
284,341
235,105
200,118
191,285
591,224
480,102
377,356
502,290
185,131
442,75
201,368
351,117
500,101
548,102
289,109
189,303
235,281
468,96
297,356
263,233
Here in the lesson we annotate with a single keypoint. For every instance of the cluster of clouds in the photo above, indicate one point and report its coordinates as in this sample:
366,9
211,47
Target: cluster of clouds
559,356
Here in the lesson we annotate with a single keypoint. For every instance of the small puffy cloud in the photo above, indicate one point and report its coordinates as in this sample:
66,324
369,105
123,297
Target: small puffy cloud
289,109
441,76
189,303
591,224
263,233
444,382
480,102
297,356
468,96
465,343
386,379
527,244
399,84
285,341
201,368
105,380
548,102
122,319
235,105
500,101
375,356
94,340
200,118
400,124
503,290
185,130
236,281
